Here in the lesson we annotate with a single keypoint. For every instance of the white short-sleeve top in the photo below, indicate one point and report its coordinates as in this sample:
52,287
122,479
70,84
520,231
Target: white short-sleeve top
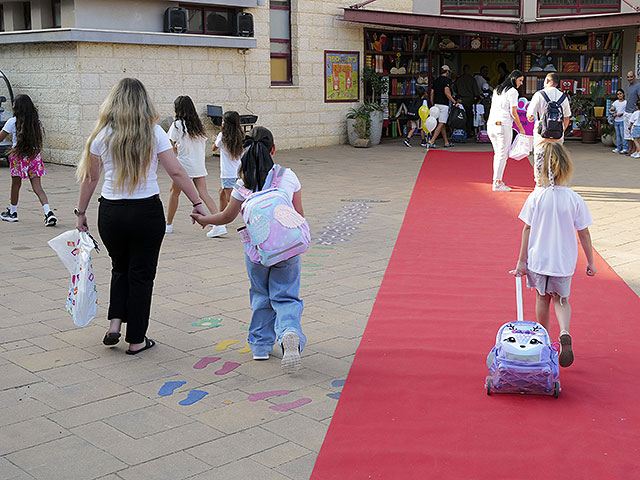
149,186
501,106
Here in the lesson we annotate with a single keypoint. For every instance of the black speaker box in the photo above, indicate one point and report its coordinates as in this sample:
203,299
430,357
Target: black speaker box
244,23
175,20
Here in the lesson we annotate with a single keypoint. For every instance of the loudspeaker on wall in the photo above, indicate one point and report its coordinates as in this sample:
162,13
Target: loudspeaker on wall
175,20
245,24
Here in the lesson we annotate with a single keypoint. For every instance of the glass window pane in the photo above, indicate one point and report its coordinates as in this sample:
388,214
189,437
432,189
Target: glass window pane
280,3
195,20
279,23
280,70
219,21
279,47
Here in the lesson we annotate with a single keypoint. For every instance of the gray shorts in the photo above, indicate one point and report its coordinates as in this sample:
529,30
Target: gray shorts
545,284
228,182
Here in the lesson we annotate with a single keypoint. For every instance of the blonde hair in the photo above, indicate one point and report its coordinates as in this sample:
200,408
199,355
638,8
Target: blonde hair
556,164
131,117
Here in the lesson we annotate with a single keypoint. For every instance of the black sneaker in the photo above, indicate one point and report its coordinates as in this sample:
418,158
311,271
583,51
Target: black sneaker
407,142
423,143
50,219
9,217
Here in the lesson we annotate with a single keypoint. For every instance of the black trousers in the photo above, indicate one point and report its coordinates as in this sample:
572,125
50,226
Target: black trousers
132,231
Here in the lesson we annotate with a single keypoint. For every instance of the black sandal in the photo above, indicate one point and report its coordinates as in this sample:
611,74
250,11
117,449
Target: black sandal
148,344
111,338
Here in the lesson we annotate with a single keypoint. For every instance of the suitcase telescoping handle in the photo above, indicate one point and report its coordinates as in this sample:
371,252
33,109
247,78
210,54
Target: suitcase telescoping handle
519,298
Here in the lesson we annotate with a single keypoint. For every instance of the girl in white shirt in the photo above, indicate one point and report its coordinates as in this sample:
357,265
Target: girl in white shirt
504,111
188,138
617,110
634,128
229,142
549,250
127,145
276,307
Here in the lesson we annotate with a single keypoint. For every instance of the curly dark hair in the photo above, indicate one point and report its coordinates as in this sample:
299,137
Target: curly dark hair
28,128
232,134
186,113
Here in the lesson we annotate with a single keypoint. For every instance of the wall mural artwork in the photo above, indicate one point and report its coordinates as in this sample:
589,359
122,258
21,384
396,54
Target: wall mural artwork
341,82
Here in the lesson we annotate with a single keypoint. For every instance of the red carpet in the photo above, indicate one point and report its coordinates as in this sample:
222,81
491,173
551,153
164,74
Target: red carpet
414,406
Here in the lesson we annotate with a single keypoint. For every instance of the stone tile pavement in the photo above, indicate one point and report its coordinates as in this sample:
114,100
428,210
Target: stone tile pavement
75,409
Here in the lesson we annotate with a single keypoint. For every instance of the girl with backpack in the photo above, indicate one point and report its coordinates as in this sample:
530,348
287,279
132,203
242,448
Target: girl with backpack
229,142
504,111
187,135
549,250
276,307
24,157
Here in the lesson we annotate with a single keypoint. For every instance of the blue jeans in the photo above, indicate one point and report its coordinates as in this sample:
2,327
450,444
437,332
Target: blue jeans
276,307
619,127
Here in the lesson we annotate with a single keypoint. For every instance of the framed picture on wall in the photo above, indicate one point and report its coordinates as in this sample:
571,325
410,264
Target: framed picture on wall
341,76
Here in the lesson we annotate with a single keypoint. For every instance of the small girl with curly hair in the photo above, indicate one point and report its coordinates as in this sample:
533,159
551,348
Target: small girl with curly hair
24,157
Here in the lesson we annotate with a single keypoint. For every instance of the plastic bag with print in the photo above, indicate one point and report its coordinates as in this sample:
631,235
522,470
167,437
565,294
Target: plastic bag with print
74,249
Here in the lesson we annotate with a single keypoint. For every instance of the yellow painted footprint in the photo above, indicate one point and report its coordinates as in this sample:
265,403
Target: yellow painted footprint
224,344
245,349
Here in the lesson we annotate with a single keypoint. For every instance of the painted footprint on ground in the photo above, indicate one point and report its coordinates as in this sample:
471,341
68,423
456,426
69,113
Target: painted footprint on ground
224,344
203,362
336,384
193,396
208,322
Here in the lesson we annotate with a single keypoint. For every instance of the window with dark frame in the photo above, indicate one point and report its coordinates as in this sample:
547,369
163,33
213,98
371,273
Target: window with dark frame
556,8
211,20
494,8
56,14
280,39
1,18
26,11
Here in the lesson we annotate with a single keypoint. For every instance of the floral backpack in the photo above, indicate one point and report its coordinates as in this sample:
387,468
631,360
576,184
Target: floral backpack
274,231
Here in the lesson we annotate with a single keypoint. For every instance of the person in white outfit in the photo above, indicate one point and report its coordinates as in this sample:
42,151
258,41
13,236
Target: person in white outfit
535,111
504,111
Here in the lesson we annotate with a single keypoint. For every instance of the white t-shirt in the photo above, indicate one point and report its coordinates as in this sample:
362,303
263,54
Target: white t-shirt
501,106
635,118
228,165
478,112
620,107
289,183
554,214
147,188
10,127
191,150
538,104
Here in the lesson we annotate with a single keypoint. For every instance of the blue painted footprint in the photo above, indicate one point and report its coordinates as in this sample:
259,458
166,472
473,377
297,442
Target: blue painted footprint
336,384
192,397
169,387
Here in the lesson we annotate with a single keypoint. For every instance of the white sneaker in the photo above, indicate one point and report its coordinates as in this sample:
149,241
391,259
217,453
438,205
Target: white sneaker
615,150
291,357
635,155
168,229
216,231
500,187
260,357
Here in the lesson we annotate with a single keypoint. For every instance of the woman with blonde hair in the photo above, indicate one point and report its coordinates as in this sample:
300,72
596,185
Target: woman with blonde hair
127,145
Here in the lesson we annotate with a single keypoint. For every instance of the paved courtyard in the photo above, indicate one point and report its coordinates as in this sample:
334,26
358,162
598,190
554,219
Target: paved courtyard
75,409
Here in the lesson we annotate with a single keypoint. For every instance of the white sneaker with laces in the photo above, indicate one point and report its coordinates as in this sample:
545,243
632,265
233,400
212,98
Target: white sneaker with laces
615,150
7,216
216,231
500,187
635,155
291,357
168,229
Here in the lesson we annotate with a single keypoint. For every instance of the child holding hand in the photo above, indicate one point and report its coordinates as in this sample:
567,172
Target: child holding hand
549,249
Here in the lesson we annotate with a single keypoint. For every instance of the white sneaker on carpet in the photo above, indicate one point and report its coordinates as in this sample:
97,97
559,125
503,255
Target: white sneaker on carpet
216,231
168,229
291,357
500,187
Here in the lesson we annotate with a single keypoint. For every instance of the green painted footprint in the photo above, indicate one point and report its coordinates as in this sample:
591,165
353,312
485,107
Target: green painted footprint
208,322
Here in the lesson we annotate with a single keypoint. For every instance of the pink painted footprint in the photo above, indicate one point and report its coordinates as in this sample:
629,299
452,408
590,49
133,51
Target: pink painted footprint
254,397
227,367
203,362
285,407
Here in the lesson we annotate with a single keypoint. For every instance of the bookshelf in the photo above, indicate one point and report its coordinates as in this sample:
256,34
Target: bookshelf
403,57
583,61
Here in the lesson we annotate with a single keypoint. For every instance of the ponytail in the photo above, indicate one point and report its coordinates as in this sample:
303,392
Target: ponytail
256,161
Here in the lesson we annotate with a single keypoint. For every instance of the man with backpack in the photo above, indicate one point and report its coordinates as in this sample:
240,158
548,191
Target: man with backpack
550,109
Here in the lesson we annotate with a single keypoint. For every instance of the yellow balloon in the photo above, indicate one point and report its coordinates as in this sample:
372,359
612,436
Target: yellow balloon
423,111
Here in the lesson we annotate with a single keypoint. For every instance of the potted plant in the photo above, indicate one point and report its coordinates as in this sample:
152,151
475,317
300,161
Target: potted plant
584,105
607,134
365,121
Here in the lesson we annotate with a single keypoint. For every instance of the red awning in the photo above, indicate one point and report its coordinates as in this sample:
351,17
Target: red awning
492,26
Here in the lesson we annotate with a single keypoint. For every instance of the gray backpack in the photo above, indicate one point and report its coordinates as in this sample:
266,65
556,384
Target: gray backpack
552,122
